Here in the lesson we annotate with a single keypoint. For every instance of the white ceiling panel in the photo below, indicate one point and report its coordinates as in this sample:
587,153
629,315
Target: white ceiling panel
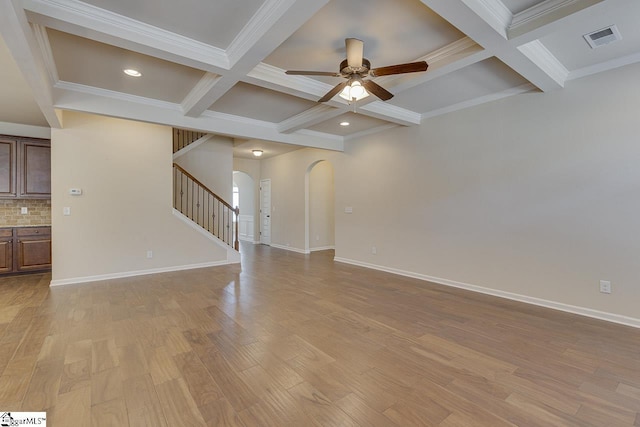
478,80
357,123
17,104
100,65
211,22
572,50
260,104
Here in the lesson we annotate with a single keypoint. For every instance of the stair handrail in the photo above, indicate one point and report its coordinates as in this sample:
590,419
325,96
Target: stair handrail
235,210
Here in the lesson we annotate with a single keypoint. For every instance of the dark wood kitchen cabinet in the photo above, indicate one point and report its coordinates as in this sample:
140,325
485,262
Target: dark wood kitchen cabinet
25,168
24,249
6,250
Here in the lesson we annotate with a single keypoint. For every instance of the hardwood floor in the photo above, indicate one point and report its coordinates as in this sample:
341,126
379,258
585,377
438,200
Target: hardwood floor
299,341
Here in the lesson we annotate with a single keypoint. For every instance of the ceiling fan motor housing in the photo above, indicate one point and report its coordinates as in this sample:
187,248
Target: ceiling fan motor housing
346,70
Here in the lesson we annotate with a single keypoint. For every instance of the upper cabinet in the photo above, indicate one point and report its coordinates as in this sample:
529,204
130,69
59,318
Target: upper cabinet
25,168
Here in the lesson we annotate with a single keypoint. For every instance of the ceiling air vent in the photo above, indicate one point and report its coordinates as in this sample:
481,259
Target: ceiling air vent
603,36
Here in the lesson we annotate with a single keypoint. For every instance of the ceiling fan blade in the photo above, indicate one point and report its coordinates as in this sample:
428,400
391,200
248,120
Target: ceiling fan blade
377,90
333,92
312,73
411,67
355,52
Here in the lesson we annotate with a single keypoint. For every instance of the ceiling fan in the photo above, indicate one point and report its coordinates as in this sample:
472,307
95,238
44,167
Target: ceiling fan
355,68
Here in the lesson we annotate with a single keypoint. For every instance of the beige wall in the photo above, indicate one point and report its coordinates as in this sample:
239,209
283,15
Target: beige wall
212,164
321,206
124,171
536,195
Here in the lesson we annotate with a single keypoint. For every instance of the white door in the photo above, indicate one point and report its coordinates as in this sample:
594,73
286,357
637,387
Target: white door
265,211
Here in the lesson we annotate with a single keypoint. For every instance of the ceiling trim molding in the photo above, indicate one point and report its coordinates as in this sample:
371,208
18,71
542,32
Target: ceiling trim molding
277,76
312,116
315,133
21,42
31,131
526,20
528,87
263,20
42,38
194,103
604,66
121,96
389,112
493,12
94,18
371,131
545,60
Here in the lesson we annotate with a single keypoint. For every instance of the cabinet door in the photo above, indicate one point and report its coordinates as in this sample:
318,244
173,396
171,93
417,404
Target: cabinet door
7,168
35,169
6,256
34,254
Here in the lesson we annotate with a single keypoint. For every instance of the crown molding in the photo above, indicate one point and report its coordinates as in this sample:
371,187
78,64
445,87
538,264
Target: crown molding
493,12
310,117
371,131
392,113
528,87
545,60
604,66
121,96
104,21
539,11
269,73
199,91
264,19
42,38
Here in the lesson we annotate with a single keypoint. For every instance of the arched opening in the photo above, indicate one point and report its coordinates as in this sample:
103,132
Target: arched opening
244,197
319,207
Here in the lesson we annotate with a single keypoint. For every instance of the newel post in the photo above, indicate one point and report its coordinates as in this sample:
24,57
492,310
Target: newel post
237,242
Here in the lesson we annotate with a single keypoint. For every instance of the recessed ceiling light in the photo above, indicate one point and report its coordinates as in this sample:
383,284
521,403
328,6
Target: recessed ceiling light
344,123
131,72
257,153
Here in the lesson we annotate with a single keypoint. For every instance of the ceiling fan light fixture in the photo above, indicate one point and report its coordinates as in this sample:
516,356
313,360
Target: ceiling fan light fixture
354,91
257,153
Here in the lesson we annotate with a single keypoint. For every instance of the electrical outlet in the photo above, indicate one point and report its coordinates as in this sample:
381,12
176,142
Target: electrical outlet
605,286
374,250
317,237
149,254
24,210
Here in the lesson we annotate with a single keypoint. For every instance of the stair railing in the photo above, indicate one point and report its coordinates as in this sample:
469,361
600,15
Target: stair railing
194,200
183,137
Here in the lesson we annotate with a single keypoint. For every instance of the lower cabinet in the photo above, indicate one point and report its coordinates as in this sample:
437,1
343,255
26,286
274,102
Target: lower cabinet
24,249
6,250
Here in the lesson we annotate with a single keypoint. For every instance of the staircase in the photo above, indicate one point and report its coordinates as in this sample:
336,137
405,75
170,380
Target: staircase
197,202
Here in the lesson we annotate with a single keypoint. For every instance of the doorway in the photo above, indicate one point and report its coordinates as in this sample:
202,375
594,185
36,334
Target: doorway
319,207
265,211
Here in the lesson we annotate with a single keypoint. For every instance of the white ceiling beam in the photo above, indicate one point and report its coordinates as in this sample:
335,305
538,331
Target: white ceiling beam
271,25
85,20
466,16
76,97
24,48
312,116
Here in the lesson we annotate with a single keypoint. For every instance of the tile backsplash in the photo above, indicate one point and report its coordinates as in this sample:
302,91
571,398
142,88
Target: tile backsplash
38,212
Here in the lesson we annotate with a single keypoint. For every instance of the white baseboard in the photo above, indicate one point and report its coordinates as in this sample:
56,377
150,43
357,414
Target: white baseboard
289,248
86,279
322,248
583,311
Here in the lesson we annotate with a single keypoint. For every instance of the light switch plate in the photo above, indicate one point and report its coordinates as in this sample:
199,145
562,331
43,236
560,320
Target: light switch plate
66,211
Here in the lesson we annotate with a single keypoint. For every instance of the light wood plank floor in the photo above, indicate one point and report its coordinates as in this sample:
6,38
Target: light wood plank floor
293,340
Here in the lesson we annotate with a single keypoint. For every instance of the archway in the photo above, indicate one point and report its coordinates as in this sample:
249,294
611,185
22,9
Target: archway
319,207
245,199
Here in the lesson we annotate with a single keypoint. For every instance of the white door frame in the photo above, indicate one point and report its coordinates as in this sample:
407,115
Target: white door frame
265,217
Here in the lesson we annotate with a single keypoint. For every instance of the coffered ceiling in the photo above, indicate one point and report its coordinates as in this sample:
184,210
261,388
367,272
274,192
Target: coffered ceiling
218,66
